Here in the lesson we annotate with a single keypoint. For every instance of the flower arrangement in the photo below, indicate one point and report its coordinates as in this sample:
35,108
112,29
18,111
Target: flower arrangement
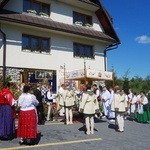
88,25
79,22
31,11
43,14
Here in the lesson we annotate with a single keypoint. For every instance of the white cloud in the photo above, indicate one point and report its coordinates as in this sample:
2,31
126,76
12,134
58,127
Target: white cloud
144,39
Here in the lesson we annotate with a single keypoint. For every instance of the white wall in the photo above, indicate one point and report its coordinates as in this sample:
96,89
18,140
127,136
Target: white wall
63,13
59,11
15,5
61,50
1,49
61,44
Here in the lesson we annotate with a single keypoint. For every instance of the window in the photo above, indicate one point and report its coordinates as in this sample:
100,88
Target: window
80,50
37,6
35,44
82,17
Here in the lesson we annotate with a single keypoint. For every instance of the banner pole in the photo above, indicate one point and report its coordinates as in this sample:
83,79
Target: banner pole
64,74
113,76
84,72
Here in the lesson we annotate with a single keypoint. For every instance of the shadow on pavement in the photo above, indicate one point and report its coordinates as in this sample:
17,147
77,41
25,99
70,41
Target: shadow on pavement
83,128
39,135
96,120
113,126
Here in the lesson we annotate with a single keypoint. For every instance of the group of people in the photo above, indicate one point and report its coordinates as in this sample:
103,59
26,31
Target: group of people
91,102
138,107
118,104
84,99
27,121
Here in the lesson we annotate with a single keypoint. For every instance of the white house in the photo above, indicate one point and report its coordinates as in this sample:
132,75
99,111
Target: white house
32,46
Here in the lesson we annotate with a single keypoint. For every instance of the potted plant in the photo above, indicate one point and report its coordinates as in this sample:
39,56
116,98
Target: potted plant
43,14
79,23
31,11
88,25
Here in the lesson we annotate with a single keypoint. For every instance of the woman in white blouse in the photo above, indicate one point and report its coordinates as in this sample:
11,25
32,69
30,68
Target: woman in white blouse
27,122
133,102
143,113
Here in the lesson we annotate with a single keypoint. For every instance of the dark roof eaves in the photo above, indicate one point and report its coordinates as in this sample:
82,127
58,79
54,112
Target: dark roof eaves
109,19
56,28
89,2
3,3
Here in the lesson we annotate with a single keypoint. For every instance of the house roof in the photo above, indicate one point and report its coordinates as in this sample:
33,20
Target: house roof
89,2
3,3
27,19
102,14
106,20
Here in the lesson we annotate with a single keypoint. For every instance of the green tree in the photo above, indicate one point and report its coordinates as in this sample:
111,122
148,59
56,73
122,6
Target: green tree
8,78
126,80
136,84
146,84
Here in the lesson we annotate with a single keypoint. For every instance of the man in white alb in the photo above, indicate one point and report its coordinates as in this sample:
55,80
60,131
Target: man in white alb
105,99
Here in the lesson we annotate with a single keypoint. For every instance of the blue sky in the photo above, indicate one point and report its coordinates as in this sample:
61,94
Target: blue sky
131,20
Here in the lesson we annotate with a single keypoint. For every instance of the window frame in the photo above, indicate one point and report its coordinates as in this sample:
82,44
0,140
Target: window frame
39,44
78,53
40,3
85,17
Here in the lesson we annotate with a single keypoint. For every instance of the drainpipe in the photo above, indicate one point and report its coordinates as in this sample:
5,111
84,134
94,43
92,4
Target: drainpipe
109,48
4,55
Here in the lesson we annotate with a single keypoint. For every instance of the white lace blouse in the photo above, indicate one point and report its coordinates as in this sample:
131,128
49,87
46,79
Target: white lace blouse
27,101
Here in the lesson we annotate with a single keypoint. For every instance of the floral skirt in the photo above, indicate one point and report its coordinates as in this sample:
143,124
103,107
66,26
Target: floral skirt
27,124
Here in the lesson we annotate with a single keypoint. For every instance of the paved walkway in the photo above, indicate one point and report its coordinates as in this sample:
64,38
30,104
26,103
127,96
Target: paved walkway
55,135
